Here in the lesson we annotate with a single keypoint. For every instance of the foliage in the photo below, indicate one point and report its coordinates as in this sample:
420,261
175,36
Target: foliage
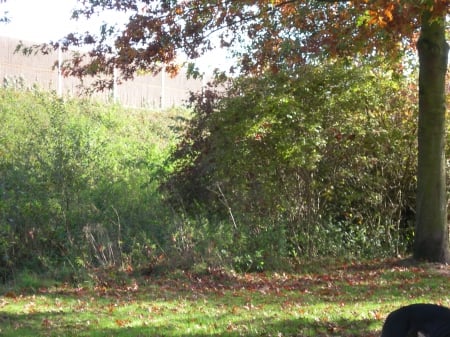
321,161
78,184
282,34
265,34
326,299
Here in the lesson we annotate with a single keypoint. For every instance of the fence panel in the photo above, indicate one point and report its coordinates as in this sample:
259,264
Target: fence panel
160,91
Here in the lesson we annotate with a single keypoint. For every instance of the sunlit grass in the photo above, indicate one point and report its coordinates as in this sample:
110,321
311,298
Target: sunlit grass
346,301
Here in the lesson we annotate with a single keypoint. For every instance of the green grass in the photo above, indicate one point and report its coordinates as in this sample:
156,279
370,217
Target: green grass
339,300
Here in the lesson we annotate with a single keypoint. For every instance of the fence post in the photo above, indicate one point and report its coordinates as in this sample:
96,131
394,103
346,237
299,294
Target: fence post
163,89
60,84
115,93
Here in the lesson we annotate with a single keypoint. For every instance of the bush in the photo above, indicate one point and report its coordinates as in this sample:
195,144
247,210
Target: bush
320,161
78,183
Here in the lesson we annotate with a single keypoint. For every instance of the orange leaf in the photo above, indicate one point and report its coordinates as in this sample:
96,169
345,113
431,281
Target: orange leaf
388,12
120,322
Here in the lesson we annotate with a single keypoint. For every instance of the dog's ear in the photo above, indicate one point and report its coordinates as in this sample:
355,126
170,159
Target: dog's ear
421,334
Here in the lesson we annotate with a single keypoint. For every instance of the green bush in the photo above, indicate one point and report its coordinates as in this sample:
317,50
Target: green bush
78,183
314,162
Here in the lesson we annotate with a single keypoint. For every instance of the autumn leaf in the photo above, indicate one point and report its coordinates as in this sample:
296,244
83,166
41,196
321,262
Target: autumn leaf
122,322
388,12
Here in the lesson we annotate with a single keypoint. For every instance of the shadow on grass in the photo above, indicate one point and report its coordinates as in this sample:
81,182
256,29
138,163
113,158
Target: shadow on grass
58,324
344,300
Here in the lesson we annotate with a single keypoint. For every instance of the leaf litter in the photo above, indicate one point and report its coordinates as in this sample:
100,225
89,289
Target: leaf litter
340,299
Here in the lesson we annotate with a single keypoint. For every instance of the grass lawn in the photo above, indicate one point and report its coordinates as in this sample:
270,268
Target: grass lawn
324,299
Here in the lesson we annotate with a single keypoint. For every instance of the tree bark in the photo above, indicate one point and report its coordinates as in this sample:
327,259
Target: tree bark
431,232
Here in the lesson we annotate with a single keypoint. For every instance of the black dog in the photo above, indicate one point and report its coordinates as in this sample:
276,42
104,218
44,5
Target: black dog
441,331
427,320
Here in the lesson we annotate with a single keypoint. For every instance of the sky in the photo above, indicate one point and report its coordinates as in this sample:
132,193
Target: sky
49,20
39,20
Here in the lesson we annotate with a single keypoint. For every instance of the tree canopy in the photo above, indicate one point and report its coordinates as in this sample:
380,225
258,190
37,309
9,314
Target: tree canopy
275,33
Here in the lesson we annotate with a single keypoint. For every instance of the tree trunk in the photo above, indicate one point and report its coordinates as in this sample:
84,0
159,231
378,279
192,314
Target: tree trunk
431,232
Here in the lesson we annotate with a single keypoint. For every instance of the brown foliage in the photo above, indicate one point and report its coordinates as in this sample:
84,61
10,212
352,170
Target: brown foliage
277,33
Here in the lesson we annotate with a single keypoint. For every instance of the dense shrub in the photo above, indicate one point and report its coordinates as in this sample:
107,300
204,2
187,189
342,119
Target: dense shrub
78,183
320,161
317,162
